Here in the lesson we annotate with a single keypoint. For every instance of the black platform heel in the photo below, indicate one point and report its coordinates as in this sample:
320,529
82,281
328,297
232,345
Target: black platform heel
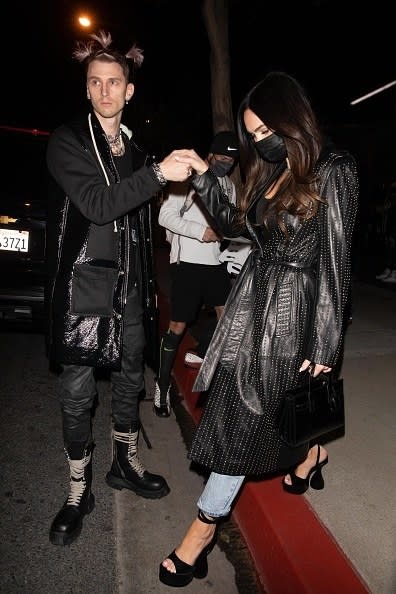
184,572
314,479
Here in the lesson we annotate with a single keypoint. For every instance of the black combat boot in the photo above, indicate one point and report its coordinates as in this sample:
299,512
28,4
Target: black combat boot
67,525
127,472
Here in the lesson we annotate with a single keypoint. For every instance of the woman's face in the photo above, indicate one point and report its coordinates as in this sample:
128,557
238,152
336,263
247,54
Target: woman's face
254,126
269,145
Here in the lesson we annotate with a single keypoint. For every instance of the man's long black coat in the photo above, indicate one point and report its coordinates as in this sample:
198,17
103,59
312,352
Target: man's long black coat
84,191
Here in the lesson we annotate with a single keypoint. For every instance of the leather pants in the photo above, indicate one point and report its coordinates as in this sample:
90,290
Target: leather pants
77,385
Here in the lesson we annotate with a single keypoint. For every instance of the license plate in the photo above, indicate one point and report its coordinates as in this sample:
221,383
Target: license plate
12,240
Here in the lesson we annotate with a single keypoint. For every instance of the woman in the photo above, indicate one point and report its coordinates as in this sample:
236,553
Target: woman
286,311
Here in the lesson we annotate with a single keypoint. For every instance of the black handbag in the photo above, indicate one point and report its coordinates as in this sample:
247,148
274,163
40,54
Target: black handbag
312,409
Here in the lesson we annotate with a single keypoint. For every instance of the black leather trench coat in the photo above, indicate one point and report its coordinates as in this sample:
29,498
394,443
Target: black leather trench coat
287,304
85,298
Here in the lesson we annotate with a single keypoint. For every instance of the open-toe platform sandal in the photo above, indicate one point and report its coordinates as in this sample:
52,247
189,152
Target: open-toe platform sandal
314,479
185,573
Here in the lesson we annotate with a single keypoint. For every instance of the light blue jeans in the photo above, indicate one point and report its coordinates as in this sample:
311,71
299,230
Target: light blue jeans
219,493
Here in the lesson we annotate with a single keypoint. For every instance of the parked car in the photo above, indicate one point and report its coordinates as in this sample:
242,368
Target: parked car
23,197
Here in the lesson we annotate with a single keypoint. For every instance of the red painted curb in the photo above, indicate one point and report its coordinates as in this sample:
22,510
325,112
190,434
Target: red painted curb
293,551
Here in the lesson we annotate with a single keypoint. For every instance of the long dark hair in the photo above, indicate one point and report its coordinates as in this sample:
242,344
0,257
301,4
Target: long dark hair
282,105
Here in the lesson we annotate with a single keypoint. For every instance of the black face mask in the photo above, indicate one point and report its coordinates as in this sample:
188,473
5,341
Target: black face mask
220,168
272,148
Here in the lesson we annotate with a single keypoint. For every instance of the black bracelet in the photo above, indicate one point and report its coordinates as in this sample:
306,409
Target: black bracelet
159,175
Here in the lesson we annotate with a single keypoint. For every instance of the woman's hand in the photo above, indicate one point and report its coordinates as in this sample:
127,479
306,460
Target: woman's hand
315,368
191,158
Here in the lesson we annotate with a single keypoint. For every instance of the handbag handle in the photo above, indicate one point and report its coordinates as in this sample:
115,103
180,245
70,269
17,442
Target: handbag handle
325,379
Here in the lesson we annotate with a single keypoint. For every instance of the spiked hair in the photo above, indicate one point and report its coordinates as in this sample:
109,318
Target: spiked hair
99,48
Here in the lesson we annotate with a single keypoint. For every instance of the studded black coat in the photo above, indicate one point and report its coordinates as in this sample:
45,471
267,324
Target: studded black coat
288,304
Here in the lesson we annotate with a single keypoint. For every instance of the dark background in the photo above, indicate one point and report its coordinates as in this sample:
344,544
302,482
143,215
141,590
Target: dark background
338,49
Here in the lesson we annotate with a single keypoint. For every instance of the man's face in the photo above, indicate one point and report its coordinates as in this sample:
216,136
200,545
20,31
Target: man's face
224,159
107,88
220,164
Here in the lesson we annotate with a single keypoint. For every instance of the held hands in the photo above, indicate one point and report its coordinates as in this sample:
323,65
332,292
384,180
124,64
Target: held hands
315,368
194,161
179,165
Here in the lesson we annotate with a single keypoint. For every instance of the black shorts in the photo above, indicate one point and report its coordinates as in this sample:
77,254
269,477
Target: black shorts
193,285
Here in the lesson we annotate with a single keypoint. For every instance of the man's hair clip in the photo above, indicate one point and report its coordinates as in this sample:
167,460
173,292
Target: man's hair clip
100,43
135,54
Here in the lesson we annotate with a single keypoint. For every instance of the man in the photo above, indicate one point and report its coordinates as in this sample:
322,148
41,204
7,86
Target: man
100,274
197,275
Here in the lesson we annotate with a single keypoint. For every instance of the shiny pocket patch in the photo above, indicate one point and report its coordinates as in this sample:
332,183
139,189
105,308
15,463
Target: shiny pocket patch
283,310
93,290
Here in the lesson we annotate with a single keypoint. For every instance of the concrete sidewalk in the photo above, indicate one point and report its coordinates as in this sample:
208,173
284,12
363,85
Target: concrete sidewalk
358,504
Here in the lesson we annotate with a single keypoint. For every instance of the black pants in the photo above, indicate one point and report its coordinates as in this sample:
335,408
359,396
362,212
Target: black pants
77,386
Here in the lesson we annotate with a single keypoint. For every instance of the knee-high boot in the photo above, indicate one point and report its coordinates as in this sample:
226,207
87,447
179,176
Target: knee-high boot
168,351
127,471
67,524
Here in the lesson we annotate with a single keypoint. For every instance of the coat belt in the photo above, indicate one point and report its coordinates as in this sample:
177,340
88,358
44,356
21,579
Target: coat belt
299,265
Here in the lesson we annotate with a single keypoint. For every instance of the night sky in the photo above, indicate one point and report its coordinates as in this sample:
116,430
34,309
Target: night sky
338,50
